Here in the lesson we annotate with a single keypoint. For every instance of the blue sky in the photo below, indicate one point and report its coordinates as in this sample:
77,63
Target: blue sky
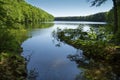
70,7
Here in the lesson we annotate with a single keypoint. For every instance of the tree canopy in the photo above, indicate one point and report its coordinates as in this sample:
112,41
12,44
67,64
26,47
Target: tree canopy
21,12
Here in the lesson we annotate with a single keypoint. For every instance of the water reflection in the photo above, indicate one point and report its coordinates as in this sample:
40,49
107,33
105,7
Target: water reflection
48,60
92,69
39,25
10,38
48,55
12,65
78,22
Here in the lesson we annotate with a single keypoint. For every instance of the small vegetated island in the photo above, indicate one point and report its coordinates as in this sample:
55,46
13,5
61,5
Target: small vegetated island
14,14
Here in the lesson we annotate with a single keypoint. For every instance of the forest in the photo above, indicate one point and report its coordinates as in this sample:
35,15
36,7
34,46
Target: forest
14,15
98,17
19,11
100,45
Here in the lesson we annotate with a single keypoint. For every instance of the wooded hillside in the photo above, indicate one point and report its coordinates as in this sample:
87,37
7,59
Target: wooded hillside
12,11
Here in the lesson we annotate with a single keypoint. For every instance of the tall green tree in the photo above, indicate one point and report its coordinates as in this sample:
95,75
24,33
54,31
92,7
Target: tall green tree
115,3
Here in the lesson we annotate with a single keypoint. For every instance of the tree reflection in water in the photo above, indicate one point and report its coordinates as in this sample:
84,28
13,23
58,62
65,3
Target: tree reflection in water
12,65
95,67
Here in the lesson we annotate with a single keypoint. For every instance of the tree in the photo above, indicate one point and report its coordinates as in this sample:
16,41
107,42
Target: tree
19,11
115,2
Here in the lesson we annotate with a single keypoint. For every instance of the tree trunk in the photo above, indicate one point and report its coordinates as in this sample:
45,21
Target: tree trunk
115,17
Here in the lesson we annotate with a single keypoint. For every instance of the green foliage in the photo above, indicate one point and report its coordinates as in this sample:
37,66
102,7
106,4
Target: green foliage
13,11
99,71
103,56
12,65
95,43
11,39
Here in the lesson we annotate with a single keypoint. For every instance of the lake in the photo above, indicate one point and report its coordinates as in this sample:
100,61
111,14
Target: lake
47,57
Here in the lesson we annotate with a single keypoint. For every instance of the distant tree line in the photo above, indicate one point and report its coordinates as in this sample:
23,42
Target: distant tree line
99,17
12,11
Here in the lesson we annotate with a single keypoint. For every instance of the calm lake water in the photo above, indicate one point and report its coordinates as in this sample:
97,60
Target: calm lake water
46,60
